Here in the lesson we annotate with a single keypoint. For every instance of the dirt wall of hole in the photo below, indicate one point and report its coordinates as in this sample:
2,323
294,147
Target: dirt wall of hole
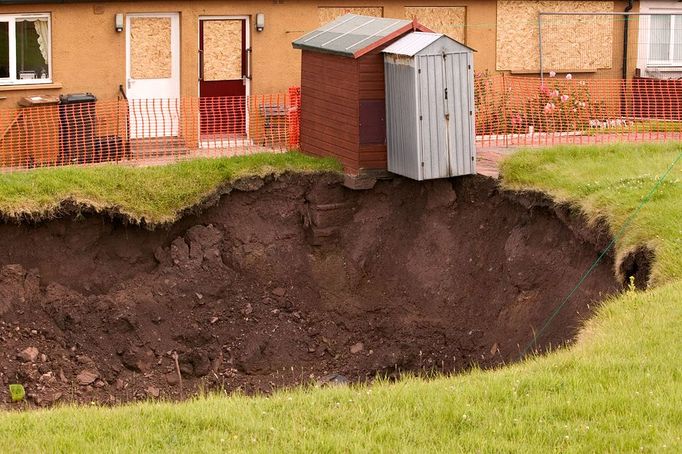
287,281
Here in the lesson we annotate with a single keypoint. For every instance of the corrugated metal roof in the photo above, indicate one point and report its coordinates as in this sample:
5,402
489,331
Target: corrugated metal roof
352,35
412,43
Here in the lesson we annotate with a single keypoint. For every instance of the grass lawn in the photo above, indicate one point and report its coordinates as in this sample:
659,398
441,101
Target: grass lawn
618,389
155,194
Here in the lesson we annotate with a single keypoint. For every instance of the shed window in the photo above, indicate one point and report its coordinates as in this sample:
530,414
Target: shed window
25,49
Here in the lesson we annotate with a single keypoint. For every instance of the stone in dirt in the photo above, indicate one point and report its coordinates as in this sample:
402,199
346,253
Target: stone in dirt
357,348
333,379
247,309
172,378
86,377
138,359
28,355
279,291
153,391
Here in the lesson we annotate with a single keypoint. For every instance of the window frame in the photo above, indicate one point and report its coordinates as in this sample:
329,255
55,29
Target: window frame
670,62
11,19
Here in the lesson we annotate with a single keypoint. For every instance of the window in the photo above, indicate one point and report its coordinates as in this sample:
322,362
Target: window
665,40
25,49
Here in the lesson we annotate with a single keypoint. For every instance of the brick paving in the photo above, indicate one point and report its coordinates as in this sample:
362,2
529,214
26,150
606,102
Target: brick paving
488,160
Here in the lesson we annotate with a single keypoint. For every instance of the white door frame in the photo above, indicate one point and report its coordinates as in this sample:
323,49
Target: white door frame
174,91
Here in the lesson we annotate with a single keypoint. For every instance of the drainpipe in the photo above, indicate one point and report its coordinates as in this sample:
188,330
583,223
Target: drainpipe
626,28
623,92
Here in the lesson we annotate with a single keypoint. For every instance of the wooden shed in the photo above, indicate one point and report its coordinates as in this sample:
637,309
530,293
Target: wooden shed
343,111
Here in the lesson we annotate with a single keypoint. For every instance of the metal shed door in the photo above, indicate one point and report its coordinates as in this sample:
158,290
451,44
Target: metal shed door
445,115
432,112
459,113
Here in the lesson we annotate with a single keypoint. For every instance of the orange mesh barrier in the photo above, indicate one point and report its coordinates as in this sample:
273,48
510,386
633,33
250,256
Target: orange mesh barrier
148,130
522,111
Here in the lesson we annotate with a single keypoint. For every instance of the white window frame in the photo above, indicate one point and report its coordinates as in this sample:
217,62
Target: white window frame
11,19
675,17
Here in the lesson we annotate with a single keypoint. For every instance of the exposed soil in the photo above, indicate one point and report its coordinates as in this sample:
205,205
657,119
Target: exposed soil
289,281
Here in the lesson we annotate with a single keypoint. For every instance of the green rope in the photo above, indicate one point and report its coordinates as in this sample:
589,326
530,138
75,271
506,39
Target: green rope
618,235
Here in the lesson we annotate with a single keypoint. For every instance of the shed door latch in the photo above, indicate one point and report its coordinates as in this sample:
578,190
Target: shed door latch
446,93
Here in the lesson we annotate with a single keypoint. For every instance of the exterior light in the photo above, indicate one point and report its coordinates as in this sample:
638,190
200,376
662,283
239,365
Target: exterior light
260,22
118,22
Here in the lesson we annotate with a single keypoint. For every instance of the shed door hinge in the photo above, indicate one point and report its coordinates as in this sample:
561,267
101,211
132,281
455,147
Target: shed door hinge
422,164
446,93
419,71
420,118
469,66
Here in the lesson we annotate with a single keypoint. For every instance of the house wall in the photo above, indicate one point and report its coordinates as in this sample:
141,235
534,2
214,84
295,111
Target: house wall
89,55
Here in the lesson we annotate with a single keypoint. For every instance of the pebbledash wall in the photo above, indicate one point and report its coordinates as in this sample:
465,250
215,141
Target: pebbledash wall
88,55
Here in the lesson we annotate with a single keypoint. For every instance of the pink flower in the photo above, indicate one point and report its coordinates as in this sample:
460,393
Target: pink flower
554,94
564,98
544,90
549,107
569,76
552,74
516,120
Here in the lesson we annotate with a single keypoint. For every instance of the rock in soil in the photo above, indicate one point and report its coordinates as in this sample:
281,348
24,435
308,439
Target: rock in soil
356,348
86,377
28,355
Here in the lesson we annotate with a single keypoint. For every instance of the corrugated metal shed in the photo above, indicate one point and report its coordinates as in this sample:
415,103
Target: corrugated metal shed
352,35
429,107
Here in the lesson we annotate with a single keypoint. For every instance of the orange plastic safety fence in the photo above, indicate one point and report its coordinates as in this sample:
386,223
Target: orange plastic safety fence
523,111
145,131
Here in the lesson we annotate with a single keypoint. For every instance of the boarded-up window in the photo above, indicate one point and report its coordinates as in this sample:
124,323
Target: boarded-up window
150,47
568,42
222,49
328,14
449,20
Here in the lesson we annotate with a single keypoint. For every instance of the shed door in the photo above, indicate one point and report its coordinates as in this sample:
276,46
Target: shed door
458,71
445,103
432,113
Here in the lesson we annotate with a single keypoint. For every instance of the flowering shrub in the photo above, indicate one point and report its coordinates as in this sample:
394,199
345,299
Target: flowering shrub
559,105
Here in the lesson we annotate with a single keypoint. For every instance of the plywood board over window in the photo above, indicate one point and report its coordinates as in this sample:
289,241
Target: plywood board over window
150,47
329,13
449,20
222,49
568,42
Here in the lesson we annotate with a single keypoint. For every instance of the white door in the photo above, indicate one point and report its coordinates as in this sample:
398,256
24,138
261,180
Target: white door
153,73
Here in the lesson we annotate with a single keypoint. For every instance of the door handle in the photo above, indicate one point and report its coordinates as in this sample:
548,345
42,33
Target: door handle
201,64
